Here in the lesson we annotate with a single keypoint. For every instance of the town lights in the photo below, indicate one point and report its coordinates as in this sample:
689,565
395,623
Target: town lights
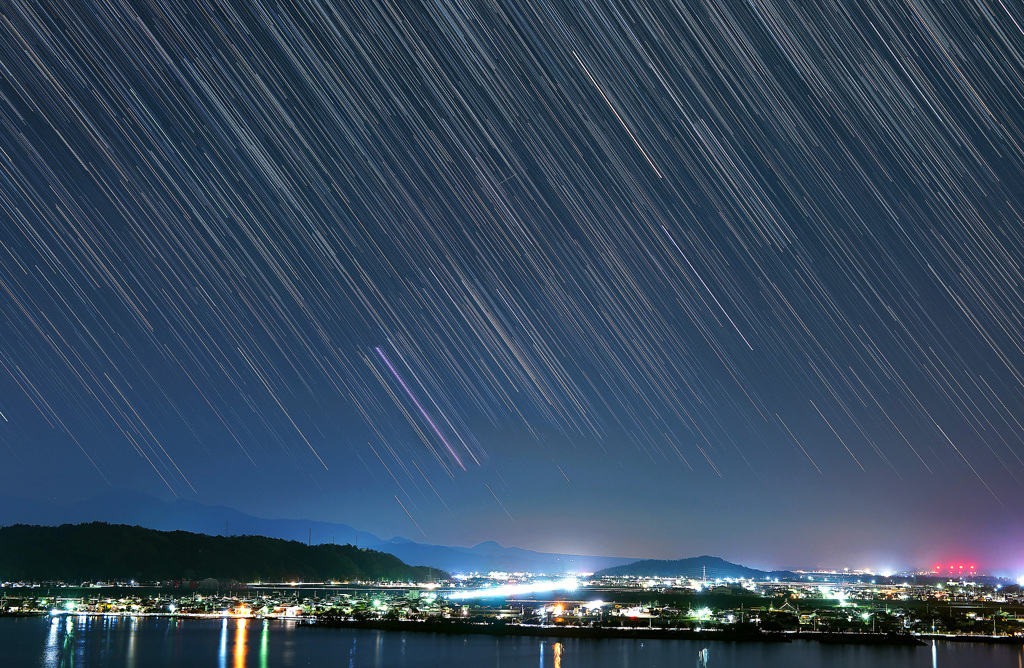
568,584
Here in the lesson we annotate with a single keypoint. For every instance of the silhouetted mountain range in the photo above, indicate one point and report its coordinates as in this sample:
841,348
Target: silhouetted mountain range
132,508
693,567
101,551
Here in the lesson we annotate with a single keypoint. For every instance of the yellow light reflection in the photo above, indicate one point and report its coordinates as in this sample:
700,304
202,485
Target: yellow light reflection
240,643
558,648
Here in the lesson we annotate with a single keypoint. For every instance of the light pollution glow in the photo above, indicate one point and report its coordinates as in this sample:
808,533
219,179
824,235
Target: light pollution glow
567,584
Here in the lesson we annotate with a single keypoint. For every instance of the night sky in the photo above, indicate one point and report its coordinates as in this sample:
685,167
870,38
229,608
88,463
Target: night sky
651,279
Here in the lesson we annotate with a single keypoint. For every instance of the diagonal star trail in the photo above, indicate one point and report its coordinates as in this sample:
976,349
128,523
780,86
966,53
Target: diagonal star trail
623,234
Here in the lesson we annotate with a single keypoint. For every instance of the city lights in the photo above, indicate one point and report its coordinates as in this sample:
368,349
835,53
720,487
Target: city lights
568,584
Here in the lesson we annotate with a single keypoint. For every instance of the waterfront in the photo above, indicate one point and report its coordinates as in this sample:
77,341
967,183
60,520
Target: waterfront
115,641
733,607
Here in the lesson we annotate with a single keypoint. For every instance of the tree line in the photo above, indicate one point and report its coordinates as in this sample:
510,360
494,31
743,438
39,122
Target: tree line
99,551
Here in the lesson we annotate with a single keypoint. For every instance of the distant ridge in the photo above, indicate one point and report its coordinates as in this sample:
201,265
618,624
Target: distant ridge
103,552
693,567
133,508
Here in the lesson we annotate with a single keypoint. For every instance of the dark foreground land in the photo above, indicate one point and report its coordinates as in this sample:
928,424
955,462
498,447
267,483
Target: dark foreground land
111,552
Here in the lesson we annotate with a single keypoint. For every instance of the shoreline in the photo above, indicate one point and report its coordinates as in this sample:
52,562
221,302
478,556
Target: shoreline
465,628
529,630
518,630
168,615
988,640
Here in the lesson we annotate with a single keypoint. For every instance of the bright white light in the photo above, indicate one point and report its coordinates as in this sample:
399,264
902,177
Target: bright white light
568,584
593,605
837,594
703,613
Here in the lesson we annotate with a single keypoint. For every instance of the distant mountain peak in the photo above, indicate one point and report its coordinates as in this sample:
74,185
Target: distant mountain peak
691,567
119,506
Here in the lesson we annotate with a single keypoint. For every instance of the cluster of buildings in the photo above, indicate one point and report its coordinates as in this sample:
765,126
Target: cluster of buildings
129,604
954,606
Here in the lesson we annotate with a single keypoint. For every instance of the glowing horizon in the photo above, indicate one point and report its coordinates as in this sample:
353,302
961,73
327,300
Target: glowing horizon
567,584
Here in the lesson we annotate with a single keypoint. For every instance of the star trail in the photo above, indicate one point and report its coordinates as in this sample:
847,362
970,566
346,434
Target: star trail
528,269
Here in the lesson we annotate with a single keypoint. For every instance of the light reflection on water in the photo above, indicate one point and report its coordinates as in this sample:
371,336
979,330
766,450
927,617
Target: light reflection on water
240,643
51,653
144,642
264,640
133,626
223,654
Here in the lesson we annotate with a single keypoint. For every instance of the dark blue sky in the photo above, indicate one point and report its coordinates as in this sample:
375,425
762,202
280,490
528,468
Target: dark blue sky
654,279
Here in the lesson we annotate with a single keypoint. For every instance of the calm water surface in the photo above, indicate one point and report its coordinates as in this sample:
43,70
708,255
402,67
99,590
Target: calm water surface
86,642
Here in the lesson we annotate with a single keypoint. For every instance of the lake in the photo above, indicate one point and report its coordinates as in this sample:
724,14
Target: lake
144,642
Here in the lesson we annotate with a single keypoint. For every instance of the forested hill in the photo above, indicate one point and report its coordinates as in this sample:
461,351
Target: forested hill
101,552
694,567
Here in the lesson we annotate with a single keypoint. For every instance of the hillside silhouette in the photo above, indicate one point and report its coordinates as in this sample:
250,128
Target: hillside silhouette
102,552
693,567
